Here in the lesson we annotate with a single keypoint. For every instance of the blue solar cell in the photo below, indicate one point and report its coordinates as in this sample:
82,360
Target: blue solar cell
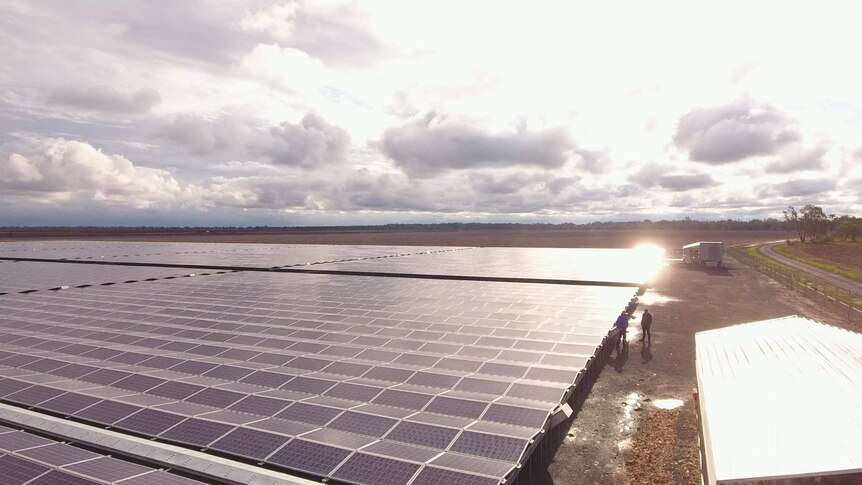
457,407
69,403
308,457
365,469
309,413
17,471
250,443
107,412
149,422
497,447
403,399
435,476
197,432
361,423
422,434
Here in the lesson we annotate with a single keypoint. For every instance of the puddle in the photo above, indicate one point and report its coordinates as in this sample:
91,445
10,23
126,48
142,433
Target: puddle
631,404
667,403
654,298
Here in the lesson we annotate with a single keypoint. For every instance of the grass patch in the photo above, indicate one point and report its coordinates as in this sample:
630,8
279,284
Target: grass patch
825,265
754,253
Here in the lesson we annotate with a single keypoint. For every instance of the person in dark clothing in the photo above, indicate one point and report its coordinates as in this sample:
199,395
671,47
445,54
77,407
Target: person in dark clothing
622,324
646,323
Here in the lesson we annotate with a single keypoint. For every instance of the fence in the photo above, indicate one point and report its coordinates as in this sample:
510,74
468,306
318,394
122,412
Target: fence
810,286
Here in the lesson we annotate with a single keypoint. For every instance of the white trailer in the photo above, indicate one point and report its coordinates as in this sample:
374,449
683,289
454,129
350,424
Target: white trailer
703,253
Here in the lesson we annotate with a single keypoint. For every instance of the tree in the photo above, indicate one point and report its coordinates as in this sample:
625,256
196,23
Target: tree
792,218
815,223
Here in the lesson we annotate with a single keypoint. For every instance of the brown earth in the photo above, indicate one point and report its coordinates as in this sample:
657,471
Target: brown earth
562,238
846,254
611,441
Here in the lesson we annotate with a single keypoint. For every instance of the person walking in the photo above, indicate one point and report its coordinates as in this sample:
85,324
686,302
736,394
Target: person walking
646,323
622,325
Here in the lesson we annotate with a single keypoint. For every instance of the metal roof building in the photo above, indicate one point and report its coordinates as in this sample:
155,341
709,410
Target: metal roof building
780,400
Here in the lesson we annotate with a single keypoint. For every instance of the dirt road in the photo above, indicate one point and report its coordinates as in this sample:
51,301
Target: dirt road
833,279
684,300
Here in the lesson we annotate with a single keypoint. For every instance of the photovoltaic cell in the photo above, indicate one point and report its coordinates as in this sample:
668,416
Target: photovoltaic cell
435,476
249,443
17,441
149,422
107,412
196,432
215,397
309,457
57,477
33,395
457,407
361,423
403,399
17,471
69,403
366,469
501,448
175,390
422,434
515,415
264,406
108,469
58,454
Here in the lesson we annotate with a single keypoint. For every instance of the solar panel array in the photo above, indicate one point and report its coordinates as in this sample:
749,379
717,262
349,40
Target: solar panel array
37,460
361,379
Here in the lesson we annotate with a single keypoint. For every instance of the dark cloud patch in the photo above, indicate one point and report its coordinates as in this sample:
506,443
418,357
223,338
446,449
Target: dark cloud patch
805,187
200,136
806,160
486,183
105,99
681,183
311,142
560,184
648,174
734,132
424,147
594,161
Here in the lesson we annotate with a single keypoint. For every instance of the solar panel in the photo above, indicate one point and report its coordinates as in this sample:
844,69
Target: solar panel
57,477
309,457
501,448
434,476
250,443
423,434
108,469
58,454
196,432
17,471
375,470
149,422
21,441
361,423
476,367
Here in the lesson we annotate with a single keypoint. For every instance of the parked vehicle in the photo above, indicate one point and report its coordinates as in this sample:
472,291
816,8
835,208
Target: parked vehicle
703,253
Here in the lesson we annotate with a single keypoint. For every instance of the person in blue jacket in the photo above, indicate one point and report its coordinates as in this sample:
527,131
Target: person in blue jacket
622,325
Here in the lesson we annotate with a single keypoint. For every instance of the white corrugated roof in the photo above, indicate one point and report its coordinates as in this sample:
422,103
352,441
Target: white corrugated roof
780,398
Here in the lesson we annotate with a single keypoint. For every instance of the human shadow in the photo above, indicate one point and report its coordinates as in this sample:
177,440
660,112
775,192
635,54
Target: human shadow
646,352
621,358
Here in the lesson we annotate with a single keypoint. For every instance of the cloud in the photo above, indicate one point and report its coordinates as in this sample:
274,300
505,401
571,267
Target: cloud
336,34
805,160
284,68
311,142
682,183
805,187
734,132
106,99
57,170
201,136
648,174
486,183
423,147
594,161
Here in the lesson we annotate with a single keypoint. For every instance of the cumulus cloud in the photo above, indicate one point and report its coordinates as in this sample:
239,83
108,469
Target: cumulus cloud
805,187
682,183
57,169
648,174
285,68
106,99
311,142
734,132
336,34
423,147
201,136
793,162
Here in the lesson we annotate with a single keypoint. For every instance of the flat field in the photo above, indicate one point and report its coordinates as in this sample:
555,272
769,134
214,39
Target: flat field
562,238
847,255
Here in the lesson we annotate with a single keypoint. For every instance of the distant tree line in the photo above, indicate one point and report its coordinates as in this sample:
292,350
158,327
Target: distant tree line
770,224
812,224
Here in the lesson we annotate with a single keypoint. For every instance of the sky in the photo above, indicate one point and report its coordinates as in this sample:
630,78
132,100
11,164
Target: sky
224,112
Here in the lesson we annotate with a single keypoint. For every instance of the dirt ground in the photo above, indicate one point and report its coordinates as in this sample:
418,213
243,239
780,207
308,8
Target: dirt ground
558,238
847,254
620,436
